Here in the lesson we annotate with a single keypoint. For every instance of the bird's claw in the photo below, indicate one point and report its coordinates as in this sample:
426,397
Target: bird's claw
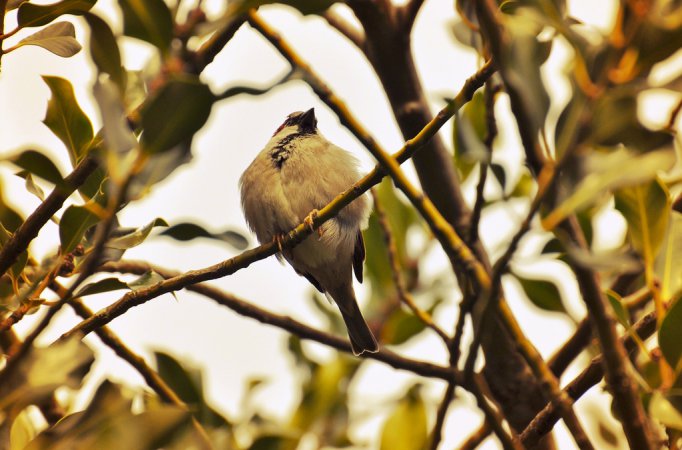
278,240
309,221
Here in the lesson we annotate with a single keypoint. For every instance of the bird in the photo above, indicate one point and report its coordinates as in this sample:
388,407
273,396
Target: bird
297,173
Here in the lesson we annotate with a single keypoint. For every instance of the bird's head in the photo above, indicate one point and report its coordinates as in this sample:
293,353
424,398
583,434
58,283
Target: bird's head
298,122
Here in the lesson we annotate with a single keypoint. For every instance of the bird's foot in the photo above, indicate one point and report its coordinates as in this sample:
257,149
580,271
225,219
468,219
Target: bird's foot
309,222
278,238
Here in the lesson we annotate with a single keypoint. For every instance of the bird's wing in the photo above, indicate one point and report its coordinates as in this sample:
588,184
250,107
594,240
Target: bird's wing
358,256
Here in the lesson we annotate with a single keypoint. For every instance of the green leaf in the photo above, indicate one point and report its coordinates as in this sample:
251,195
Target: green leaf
39,165
74,223
174,113
187,231
670,335
406,427
108,424
619,309
146,280
662,409
469,130
135,237
149,20
20,263
401,326
58,38
105,52
98,287
542,293
667,265
646,209
615,170
66,119
9,218
45,369
32,187
32,15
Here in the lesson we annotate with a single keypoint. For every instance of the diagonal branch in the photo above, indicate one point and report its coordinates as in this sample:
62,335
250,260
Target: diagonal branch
244,308
356,36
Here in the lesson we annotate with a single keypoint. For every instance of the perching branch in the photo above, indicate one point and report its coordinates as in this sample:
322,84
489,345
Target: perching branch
303,331
356,36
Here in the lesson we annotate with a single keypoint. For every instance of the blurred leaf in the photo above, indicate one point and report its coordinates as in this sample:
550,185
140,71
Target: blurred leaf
406,428
58,38
31,186
524,187
274,442
104,51
619,309
9,218
646,209
22,432
552,246
469,130
146,280
521,63
607,434
663,411
32,15
174,113
39,165
43,370
670,335
100,286
108,424
159,166
135,237
401,326
615,170
617,261
187,383
187,231
65,118
465,35
542,293
667,265
74,223
149,20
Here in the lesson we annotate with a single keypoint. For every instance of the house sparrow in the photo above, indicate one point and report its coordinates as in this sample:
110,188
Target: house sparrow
296,173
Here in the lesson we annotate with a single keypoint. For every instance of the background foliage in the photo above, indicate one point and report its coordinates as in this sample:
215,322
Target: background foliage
592,156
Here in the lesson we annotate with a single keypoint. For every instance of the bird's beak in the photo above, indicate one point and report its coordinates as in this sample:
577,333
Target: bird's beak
308,120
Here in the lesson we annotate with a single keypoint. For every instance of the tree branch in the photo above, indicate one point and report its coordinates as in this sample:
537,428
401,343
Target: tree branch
246,309
210,49
357,37
544,422
28,230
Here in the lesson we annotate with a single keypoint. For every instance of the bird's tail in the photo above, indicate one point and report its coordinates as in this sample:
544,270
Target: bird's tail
361,338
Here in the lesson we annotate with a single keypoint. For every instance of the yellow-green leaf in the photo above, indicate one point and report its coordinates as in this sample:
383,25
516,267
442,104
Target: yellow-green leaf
58,38
149,20
74,223
32,15
406,428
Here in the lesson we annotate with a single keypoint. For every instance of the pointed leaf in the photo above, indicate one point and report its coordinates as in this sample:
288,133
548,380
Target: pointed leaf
646,209
32,187
32,15
663,410
619,309
149,20
177,111
104,50
667,265
39,165
543,293
146,280
136,237
670,335
187,231
66,119
58,38
74,223
98,287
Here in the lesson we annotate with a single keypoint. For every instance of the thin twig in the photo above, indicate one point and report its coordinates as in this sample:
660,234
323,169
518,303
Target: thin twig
396,272
28,230
210,49
247,309
494,417
544,421
477,437
441,414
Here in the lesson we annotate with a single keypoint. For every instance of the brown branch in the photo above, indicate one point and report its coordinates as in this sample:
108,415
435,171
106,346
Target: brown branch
441,414
28,230
244,308
396,272
544,422
356,36
409,13
477,437
210,49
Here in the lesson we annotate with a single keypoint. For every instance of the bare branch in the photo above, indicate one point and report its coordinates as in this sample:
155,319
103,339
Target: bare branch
356,36
210,49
